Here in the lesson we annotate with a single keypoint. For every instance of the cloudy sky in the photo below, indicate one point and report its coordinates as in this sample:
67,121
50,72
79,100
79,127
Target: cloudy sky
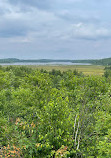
55,29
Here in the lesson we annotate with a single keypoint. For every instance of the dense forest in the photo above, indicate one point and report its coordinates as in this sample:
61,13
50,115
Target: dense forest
106,61
54,114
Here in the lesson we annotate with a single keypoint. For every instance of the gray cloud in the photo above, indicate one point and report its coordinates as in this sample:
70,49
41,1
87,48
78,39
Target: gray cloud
13,30
15,22
54,27
42,4
73,17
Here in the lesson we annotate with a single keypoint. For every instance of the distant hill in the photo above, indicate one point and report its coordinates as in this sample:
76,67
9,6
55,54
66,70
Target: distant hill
9,60
14,60
105,61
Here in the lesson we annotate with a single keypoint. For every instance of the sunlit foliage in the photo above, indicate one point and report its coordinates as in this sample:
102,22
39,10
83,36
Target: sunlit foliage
54,114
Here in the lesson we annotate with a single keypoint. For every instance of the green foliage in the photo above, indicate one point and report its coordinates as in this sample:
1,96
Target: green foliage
107,72
54,114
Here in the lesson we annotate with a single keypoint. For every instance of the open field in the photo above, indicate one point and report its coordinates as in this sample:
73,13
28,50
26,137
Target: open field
86,69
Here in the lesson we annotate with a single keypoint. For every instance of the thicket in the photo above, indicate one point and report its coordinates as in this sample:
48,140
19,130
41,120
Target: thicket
54,114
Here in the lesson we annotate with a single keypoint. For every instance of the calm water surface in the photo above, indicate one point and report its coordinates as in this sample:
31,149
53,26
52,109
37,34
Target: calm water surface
50,63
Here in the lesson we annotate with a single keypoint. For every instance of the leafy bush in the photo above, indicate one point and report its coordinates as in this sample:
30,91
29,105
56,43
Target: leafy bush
54,114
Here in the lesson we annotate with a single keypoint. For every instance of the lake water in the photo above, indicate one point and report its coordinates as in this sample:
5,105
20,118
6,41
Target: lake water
50,63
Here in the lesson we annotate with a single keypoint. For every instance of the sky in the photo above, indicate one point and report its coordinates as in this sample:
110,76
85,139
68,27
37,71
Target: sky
55,29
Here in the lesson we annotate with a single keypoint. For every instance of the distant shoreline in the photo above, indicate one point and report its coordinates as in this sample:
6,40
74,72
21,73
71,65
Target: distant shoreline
12,61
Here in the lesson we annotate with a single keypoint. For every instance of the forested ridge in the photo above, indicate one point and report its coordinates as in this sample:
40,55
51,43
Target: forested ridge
54,114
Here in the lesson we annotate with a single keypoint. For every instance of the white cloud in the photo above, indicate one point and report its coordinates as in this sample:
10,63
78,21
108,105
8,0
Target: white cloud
90,31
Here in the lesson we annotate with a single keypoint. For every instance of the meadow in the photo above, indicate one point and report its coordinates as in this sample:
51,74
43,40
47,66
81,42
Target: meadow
85,69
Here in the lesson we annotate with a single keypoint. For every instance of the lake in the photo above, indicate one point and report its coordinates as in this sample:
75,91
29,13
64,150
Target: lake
39,63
